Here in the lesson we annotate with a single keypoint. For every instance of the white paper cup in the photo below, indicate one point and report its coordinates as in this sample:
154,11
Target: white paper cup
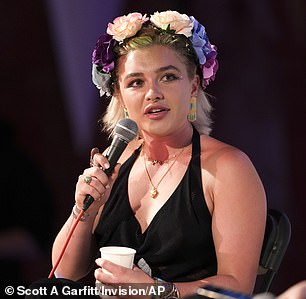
123,256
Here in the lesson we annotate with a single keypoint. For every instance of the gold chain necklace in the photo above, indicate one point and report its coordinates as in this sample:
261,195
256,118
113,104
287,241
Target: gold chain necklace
158,162
154,191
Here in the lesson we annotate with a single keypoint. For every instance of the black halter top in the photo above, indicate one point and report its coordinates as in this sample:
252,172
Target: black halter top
178,244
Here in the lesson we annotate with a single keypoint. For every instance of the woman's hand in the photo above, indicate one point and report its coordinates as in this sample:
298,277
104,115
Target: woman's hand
95,182
120,275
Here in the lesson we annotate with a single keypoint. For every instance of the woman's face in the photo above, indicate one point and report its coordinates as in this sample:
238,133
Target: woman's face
155,89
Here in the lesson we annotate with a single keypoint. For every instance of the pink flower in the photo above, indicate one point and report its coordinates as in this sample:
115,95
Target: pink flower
181,23
209,70
126,26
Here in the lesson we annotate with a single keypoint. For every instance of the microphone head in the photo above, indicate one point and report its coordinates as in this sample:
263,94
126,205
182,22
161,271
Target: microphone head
126,129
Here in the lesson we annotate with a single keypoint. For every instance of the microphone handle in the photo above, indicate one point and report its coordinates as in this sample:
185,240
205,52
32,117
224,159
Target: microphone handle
87,202
113,154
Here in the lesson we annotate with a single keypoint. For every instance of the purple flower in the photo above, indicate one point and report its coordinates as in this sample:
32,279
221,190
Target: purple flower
103,55
205,50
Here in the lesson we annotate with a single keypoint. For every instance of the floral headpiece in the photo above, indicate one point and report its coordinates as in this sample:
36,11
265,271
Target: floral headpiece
168,21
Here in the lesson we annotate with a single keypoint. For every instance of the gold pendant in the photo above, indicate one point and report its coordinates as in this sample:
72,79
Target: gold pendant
153,192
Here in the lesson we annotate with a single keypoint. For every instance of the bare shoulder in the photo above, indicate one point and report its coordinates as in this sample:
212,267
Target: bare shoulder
219,158
228,173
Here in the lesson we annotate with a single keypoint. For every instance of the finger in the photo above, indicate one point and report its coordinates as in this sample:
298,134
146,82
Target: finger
95,183
94,151
82,189
93,187
105,278
101,274
99,262
110,272
111,267
100,161
98,174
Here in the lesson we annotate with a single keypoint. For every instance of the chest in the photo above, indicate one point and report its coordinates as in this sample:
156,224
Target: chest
151,186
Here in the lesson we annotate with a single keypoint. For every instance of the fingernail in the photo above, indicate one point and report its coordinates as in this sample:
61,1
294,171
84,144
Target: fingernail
106,165
94,151
107,186
98,261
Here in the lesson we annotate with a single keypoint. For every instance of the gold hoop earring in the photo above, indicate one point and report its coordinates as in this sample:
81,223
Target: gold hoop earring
126,114
192,115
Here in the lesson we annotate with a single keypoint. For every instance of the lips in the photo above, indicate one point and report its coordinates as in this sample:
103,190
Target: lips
155,109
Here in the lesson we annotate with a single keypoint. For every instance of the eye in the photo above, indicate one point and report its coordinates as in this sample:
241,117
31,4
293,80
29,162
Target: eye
135,83
169,77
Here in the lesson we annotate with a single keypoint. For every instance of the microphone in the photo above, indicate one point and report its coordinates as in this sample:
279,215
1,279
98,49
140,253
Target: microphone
125,131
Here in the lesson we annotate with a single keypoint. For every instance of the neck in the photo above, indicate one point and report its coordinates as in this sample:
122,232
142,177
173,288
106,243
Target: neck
162,148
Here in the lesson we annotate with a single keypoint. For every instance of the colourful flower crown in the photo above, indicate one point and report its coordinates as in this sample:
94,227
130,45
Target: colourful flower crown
168,21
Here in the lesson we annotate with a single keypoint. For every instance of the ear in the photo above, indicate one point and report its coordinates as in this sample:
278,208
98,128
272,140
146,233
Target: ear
195,85
120,100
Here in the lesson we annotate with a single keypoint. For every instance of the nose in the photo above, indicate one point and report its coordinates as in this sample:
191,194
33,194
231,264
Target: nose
154,93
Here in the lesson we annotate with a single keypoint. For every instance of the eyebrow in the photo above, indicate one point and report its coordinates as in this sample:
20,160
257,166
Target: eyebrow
159,70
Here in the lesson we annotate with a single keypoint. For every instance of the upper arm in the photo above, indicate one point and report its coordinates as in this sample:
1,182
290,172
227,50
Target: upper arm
238,217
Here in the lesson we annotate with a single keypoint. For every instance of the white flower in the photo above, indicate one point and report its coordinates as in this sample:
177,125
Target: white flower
126,26
181,23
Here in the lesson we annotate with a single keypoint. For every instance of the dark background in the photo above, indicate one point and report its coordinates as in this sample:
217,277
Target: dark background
49,111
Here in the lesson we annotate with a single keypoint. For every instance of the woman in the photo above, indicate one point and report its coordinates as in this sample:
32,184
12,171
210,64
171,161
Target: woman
193,207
